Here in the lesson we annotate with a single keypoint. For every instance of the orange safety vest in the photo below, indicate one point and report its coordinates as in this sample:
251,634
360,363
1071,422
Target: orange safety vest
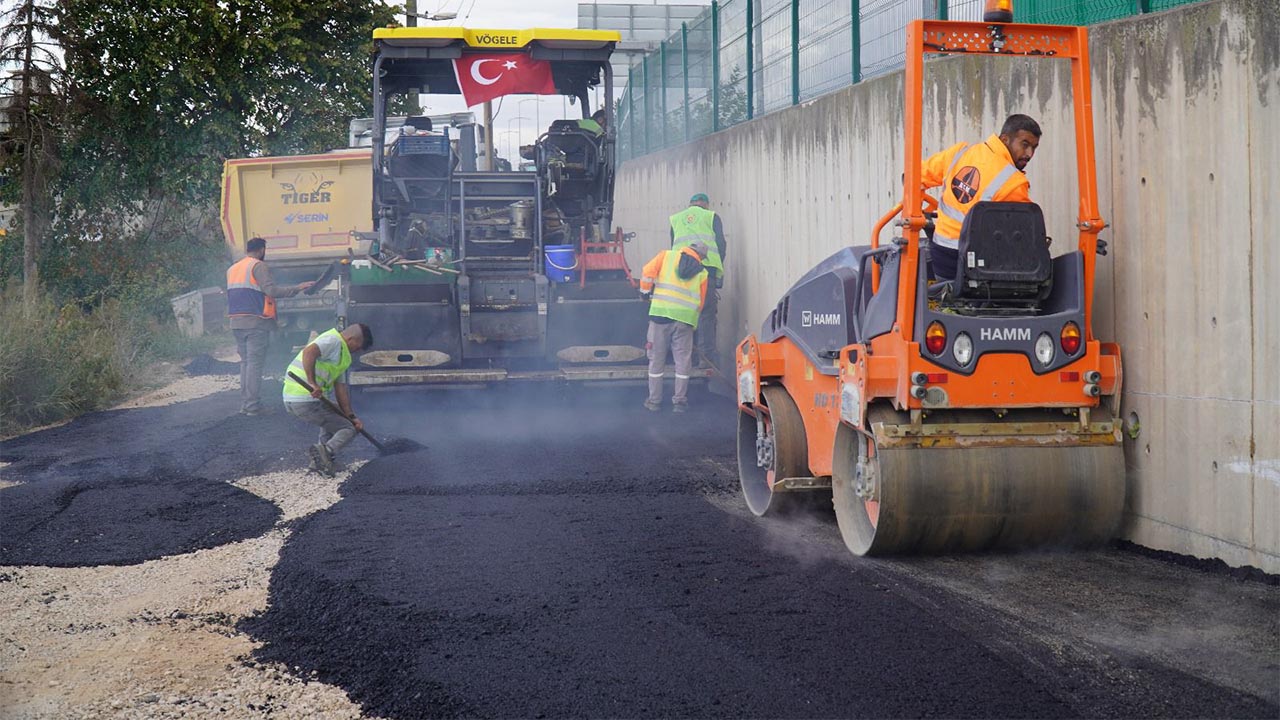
969,175
244,296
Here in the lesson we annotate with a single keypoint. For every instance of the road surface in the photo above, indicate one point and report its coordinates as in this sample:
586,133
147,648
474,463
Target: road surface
556,553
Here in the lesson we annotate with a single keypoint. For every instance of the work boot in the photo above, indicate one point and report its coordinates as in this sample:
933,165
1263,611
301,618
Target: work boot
680,408
652,407
323,458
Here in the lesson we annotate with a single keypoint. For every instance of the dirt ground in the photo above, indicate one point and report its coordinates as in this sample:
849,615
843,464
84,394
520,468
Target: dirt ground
548,554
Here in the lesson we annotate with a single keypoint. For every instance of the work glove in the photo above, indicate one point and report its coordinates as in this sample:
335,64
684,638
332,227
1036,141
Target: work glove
646,296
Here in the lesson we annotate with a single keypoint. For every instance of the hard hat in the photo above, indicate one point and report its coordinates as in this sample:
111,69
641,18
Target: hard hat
699,197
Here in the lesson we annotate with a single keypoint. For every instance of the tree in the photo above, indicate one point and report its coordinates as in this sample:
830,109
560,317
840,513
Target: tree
161,93
31,115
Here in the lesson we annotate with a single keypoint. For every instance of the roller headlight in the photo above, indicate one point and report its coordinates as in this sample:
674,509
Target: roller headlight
1044,349
962,349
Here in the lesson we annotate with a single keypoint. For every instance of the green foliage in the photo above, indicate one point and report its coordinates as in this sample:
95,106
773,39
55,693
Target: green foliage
145,102
58,361
158,95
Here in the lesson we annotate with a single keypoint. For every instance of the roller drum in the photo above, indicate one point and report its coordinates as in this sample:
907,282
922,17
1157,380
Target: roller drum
933,500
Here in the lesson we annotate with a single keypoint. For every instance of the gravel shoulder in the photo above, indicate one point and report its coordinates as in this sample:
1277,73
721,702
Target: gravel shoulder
158,638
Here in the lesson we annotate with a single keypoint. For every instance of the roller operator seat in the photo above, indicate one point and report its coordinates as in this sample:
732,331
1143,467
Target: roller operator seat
1003,255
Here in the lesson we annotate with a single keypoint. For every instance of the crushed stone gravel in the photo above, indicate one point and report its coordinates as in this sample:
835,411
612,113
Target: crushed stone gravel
158,639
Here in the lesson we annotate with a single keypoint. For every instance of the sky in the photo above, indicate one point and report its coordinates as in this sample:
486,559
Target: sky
520,119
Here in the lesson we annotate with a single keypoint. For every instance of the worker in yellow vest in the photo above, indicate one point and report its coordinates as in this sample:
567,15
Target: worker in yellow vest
675,283
968,174
696,223
251,309
323,364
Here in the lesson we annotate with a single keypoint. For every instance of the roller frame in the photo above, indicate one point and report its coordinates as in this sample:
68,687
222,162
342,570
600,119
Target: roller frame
972,484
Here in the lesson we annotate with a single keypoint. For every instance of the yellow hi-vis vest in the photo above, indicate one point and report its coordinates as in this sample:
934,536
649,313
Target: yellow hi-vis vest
327,373
244,296
695,224
679,300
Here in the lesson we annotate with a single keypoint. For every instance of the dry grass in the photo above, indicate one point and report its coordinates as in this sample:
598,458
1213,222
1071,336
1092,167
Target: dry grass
57,361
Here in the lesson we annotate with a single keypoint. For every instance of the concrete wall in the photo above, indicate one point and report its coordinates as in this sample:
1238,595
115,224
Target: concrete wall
1187,112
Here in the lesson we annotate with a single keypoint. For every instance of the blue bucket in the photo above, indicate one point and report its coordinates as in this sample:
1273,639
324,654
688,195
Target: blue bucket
562,263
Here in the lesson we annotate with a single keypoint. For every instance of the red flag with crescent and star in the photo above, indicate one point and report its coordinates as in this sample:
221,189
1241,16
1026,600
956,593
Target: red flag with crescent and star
485,76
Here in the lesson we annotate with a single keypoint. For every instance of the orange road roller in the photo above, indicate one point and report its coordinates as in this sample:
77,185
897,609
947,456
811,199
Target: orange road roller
964,415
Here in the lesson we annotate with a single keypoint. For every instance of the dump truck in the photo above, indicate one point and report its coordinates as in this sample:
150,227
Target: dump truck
313,211
475,275
975,413
306,207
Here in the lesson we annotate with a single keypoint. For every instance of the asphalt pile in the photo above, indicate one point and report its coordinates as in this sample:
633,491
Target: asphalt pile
396,446
208,365
122,521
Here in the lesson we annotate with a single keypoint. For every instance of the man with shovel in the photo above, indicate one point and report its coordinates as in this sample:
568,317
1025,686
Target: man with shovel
323,364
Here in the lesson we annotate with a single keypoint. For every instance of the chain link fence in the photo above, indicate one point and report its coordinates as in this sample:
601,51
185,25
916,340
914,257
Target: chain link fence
743,58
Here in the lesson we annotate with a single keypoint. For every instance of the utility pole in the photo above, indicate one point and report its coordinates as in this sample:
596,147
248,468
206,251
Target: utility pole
411,20
489,164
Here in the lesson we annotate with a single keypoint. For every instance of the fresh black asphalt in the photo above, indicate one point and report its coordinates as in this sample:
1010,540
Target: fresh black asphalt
558,553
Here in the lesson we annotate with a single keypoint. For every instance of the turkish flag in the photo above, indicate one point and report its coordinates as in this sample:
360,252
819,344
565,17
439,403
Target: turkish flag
485,76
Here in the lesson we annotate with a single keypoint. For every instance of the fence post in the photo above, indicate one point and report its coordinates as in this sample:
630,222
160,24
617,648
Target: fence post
662,63
751,70
855,23
715,65
942,10
631,109
648,104
684,60
795,52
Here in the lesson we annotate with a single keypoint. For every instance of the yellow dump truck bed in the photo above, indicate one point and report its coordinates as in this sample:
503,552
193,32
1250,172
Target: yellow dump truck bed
304,206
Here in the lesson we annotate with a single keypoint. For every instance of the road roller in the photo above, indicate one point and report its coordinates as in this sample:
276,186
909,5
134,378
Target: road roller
957,416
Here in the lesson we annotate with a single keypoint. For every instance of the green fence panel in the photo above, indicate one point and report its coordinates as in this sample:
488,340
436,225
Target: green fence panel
742,58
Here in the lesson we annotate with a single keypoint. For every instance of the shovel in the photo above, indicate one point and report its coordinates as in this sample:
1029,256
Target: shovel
331,406
323,280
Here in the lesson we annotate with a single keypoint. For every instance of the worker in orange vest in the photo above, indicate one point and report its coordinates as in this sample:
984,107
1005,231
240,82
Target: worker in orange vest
251,309
987,171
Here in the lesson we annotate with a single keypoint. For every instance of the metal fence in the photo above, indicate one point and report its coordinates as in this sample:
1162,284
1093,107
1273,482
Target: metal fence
743,58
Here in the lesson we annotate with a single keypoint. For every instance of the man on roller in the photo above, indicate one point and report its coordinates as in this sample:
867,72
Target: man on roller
991,170
698,224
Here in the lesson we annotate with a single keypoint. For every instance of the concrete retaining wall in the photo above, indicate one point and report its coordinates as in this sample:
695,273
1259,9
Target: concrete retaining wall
1187,116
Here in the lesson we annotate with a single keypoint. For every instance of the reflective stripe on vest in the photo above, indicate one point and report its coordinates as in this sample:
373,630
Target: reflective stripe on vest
951,213
697,225
679,300
995,185
327,374
245,297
